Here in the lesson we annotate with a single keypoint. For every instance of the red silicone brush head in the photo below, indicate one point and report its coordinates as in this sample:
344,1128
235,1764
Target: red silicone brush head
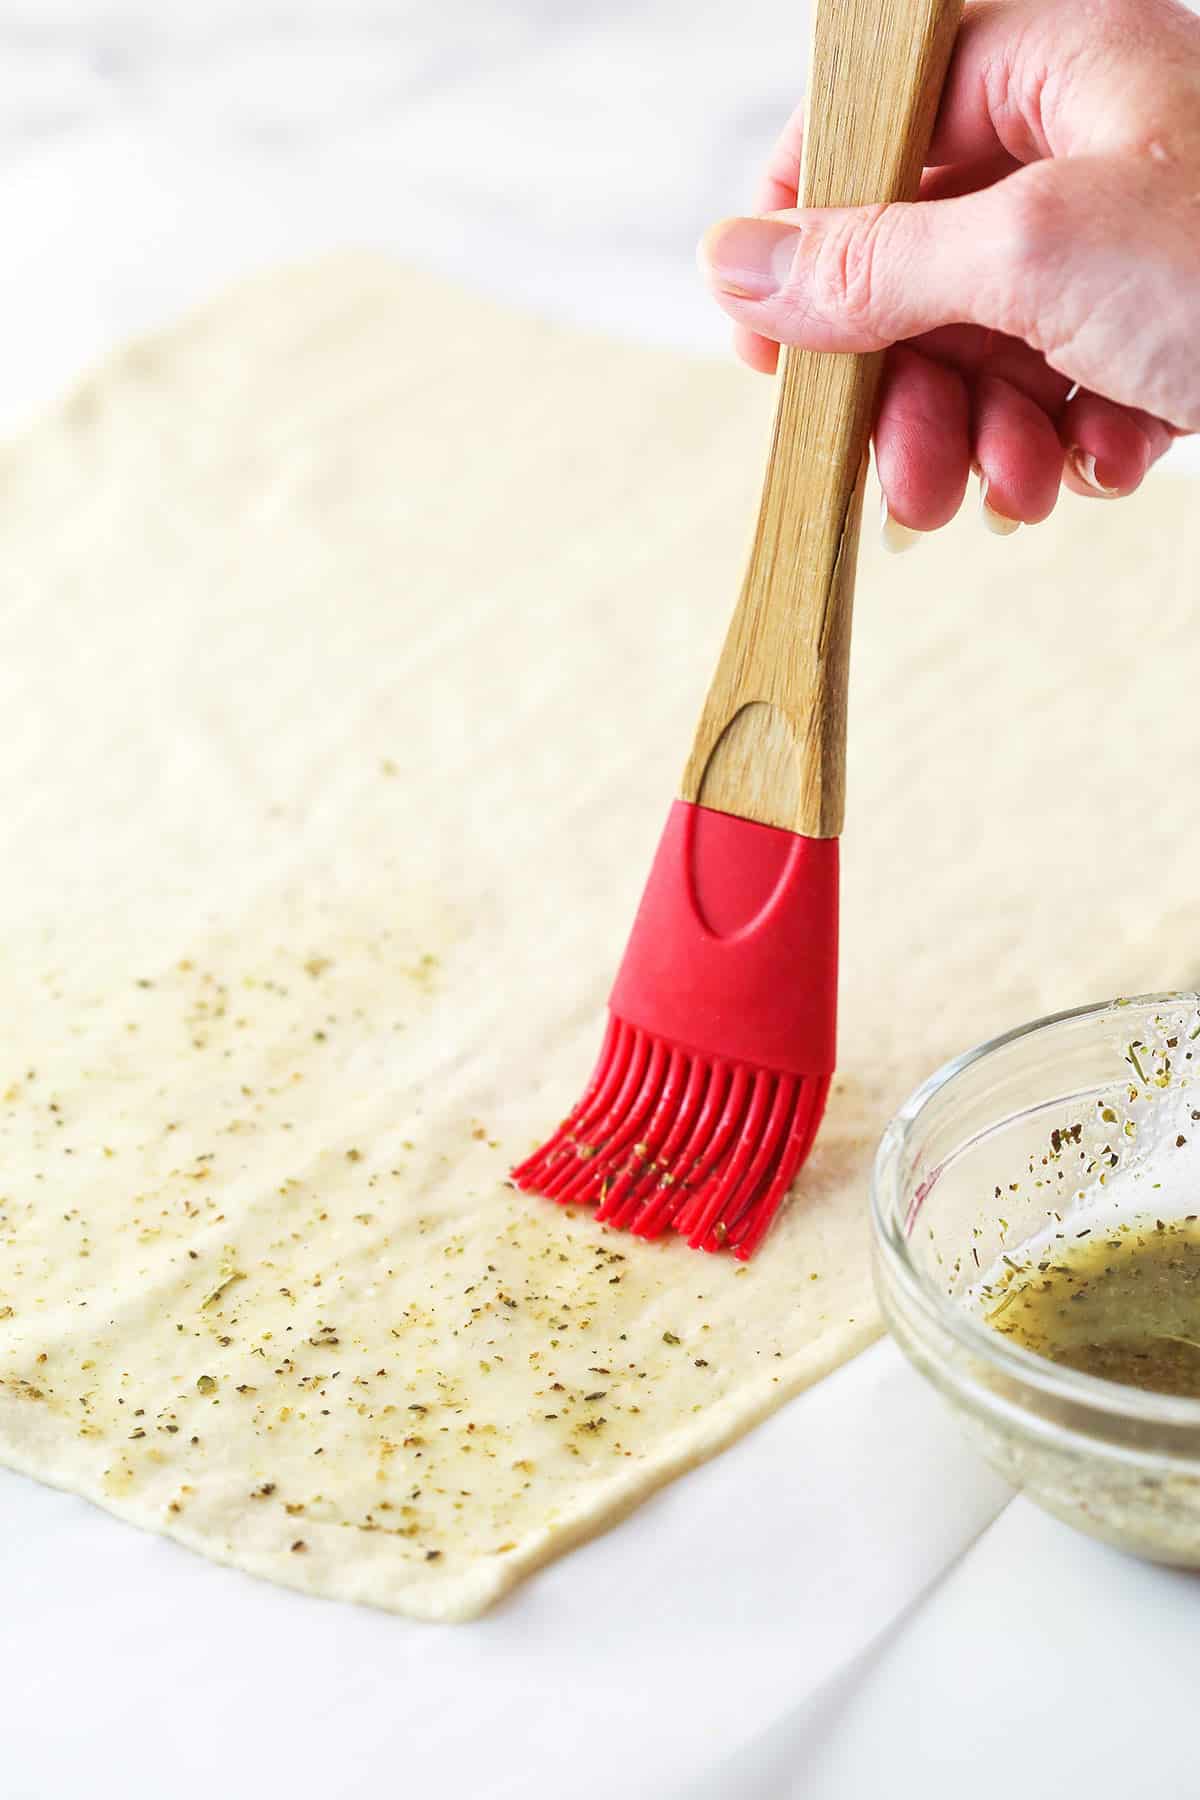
716,1064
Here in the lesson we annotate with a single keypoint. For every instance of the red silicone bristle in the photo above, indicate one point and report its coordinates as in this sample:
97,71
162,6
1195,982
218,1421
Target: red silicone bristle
624,1194
586,1133
657,1208
613,1075
710,1161
715,1201
574,1154
647,1199
616,1136
666,1139
807,1112
714,1071
606,1077
751,1171
687,1146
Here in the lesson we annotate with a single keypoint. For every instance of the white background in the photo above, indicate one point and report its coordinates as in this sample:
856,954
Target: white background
566,155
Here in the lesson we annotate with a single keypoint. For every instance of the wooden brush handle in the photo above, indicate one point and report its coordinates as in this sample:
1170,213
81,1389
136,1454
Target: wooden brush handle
771,743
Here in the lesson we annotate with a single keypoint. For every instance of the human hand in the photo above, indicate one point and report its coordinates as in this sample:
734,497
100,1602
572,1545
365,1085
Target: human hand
1040,302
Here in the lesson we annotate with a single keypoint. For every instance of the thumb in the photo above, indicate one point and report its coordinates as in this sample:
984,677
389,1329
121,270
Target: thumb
851,278
861,278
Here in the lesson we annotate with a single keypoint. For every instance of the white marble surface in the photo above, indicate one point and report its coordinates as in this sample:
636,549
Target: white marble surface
559,154
565,155
550,152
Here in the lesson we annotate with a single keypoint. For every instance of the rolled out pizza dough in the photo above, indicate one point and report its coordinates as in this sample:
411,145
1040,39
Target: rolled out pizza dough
353,633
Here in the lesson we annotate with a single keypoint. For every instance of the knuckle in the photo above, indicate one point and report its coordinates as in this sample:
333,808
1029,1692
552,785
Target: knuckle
1002,98
845,275
1035,218
1038,294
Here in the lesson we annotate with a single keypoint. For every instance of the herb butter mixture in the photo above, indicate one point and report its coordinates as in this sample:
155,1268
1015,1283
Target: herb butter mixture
1121,1301
344,692
291,1337
342,1341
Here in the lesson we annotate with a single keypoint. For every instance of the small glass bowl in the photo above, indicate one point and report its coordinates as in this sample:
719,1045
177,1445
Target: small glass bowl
1086,1113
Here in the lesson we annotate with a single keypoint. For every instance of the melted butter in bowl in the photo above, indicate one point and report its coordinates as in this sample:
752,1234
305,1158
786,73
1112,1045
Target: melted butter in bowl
1120,1302
1038,1259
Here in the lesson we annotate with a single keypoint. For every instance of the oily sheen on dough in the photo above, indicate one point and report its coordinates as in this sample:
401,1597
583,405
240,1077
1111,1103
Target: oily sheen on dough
353,633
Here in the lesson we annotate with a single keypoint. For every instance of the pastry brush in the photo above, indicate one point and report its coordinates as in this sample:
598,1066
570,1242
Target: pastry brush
716,1064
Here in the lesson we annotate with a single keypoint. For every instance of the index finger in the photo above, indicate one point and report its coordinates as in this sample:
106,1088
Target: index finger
778,188
1069,79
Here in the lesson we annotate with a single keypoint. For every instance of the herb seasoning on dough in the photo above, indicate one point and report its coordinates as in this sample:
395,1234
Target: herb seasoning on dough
1121,1302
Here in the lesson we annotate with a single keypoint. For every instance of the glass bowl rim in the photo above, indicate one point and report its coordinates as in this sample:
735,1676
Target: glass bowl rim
944,1314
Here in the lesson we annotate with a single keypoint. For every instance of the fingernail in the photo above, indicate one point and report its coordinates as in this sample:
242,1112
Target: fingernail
896,537
995,522
1085,467
749,258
